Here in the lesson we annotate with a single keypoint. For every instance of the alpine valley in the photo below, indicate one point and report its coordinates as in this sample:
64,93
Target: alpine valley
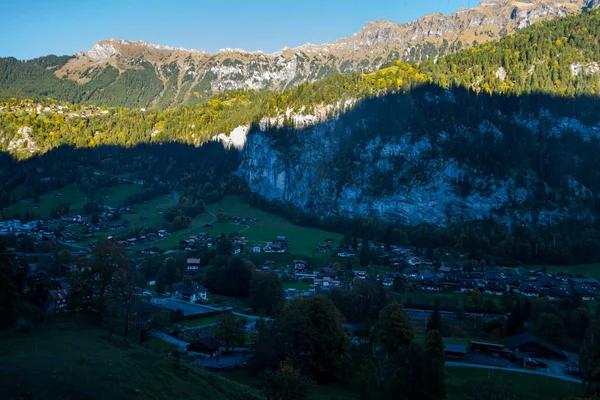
488,113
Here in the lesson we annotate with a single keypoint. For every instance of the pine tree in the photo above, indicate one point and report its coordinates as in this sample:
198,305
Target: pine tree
435,320
365,255
435,369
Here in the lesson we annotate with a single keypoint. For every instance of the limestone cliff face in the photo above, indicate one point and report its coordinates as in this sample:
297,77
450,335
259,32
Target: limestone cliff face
186,74
306,174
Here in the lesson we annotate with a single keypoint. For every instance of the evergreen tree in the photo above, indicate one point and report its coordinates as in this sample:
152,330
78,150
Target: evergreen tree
435,320
435,368
365,256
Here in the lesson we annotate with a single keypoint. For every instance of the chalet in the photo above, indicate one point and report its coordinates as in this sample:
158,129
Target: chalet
387,282
312,288
414,261
587,292
163,233
345,254
412,273
300,265
432,285
360,274
192,292
323,247
206,347
58,299
256,249
193,266
496,288
467,285
535,346
267,265
330,272
530,290
557,293
281,239
326,282
276,248
151,250
426,274
203,235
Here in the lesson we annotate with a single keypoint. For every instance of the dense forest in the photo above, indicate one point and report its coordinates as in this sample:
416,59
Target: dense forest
557,58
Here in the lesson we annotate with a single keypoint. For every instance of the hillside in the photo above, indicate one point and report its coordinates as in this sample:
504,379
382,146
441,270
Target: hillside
468,146
69,360
138,74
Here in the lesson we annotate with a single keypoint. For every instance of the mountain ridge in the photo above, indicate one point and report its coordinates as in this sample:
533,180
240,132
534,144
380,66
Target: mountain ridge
190,75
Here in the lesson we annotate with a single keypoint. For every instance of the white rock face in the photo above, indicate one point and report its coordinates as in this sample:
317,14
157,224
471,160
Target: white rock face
236,138
102,52
22,142
304,175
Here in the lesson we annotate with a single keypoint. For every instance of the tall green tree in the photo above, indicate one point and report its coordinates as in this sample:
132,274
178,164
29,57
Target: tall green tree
435,368
9,291
230,330
266,293
287,383
395,329
365,255
313,337
435,320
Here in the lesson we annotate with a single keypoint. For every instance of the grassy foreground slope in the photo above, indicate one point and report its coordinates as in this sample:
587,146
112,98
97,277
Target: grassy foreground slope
70,360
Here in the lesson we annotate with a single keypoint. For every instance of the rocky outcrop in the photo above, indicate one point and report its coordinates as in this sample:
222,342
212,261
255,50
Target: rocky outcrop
22,142
306,174
188,73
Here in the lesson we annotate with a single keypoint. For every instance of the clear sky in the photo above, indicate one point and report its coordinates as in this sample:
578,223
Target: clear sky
33,28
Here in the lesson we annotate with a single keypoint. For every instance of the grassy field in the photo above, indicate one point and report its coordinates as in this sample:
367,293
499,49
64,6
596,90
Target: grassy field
322,392
190,323
68,195
268,226
587,270
70,360
299,285
525,386
111,196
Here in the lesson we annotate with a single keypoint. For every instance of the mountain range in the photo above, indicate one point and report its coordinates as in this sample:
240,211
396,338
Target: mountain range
140,74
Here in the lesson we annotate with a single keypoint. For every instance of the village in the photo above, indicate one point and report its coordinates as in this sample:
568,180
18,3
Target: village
324,264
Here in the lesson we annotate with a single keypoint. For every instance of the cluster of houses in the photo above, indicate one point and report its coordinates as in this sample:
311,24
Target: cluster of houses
495,281
280,245
16,227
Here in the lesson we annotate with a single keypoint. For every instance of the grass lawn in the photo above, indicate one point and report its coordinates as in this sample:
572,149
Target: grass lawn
68,359
299,285
68,195
267,227
322,392
116,195
71,195
159,346
190,323
587,270
525,386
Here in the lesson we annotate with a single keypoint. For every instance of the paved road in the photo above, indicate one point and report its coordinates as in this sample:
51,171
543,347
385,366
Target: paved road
169,339
550,373
87,249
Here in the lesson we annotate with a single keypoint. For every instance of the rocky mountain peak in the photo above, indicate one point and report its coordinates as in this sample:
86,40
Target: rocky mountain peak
202,73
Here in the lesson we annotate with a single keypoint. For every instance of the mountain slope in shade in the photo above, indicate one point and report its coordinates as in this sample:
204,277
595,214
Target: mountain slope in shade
189,75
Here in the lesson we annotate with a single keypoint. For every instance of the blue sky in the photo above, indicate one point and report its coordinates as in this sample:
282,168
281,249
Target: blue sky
39,27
